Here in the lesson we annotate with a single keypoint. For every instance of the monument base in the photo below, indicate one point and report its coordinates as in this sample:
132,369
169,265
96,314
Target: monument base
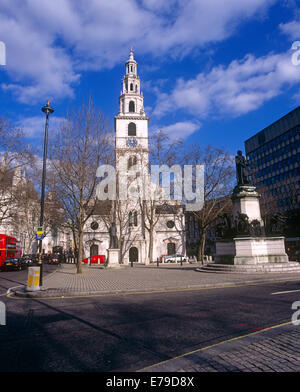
113,258
251,250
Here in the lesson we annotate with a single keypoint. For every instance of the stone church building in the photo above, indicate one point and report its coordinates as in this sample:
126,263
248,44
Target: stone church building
137,241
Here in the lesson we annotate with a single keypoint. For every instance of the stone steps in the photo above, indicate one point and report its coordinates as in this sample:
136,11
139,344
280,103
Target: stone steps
252,268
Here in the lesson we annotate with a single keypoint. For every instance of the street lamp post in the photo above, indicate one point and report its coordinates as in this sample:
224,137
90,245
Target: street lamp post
47,109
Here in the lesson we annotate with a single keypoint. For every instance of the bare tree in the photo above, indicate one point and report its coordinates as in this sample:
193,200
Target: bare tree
15,154
162,151
80,146
24,218
219,180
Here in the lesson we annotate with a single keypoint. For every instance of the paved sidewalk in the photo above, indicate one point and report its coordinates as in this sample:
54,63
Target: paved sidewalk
98,280
272,350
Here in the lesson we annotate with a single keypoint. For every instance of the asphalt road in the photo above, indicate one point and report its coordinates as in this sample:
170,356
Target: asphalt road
130,332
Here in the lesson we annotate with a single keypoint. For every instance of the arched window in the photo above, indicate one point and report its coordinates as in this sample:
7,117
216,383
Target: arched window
136,88
131,68
131,129
133,218
131,107
131,162
131,86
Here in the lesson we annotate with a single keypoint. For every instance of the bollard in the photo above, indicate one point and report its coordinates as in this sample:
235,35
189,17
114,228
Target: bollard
157,262
33,282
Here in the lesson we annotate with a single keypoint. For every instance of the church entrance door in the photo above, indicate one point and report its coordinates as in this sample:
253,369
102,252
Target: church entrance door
94,250
133,255
171,248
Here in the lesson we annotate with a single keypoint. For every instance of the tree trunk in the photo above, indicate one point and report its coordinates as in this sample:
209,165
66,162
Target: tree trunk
150,244
201,246
80,252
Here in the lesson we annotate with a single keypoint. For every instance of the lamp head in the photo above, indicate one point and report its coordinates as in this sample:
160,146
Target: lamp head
47,109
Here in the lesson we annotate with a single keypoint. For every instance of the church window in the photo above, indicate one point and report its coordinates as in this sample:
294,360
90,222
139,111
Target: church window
131,86
131,162
133,218
133,221
131,107
130,219
131,129
136,88
170,224
131,68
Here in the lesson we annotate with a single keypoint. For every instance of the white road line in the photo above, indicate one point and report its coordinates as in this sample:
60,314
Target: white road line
9,290
285,292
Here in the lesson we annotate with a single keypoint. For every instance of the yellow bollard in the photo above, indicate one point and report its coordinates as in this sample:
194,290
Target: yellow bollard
33,281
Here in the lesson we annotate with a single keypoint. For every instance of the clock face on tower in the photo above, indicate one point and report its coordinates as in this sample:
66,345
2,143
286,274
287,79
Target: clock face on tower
132,142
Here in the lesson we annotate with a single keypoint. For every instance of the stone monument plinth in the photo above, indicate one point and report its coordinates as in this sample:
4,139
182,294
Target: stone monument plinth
113,256
248,244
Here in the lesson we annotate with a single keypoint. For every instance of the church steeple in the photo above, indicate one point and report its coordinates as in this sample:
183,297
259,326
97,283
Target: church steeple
131,123
131,99
131,64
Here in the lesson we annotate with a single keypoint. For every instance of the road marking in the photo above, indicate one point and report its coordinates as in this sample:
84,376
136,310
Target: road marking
285,292
9,290
216,344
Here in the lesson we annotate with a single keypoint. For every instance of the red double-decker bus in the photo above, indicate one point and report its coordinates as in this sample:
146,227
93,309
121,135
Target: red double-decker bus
9,247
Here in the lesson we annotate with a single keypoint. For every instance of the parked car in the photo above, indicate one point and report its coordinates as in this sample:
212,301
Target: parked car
96,259
54,259
177,258
28,260
162,258
15,264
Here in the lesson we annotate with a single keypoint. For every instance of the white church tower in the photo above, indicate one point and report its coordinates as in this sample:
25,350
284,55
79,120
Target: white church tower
131,143
131,124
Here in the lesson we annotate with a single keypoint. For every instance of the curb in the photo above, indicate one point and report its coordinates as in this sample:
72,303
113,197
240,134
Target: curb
201,356
48,293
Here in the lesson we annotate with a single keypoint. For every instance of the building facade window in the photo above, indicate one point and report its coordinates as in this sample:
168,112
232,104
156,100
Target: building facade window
133,219
131,162
131,107
131,129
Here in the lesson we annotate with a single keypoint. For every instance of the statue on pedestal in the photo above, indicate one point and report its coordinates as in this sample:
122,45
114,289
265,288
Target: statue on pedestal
113,243
241,169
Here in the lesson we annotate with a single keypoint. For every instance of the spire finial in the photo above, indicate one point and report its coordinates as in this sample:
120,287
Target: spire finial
131,53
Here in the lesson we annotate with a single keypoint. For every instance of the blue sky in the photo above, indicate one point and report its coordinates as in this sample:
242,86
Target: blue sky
212,71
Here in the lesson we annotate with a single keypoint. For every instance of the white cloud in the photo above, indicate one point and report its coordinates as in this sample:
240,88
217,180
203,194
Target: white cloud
180,130
49,43
244,85
34,127
292,29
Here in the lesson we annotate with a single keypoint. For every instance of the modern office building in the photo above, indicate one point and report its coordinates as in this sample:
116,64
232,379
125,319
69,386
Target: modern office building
274,161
